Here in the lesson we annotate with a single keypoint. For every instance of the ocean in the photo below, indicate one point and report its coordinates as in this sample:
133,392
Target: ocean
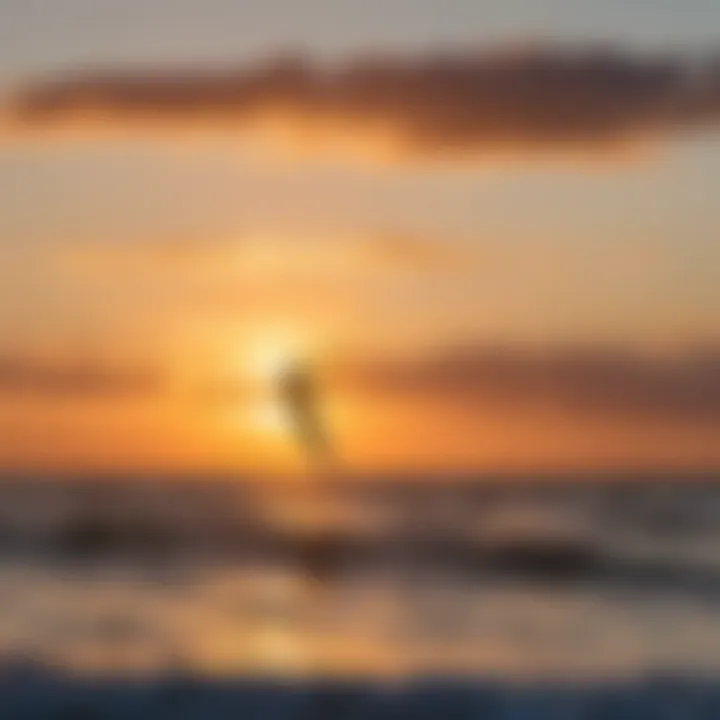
574,578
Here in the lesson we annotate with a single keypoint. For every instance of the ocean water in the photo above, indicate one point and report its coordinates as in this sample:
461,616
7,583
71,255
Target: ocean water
569,578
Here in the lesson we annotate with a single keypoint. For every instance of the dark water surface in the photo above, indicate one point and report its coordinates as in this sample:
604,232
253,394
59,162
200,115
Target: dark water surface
572,579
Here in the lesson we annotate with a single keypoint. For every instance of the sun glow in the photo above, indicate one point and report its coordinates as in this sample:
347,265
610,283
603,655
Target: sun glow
265,358
260,363
271,354
270,418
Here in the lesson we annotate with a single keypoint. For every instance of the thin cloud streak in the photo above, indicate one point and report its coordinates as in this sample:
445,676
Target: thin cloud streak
26,377
577,381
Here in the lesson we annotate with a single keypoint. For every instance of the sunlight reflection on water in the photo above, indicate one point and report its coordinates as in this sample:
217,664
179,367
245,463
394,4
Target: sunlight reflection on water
229,620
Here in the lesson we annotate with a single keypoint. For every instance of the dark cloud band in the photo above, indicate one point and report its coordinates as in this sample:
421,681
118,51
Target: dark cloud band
47,380
616,384
449,104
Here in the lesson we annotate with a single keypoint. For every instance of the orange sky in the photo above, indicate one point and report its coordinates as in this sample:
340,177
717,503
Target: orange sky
502,257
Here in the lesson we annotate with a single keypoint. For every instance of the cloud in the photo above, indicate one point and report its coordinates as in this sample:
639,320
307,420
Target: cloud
262,255
599,382
428,106
26,377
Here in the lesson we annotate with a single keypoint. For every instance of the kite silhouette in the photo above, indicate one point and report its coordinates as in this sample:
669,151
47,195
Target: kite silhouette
300,395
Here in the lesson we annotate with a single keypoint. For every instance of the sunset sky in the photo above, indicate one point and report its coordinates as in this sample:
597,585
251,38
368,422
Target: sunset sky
493,226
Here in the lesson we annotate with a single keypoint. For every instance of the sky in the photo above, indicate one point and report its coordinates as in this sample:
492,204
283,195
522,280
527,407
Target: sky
492,227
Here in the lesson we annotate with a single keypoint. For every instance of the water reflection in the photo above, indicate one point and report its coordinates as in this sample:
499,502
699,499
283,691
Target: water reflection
553,581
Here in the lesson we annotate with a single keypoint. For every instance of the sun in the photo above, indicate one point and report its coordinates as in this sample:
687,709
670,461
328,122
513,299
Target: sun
259,362
266,357
269,355
267,362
